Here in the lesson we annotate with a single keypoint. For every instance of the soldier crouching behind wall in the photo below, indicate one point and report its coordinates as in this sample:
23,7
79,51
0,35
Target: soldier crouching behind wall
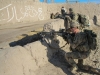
78,46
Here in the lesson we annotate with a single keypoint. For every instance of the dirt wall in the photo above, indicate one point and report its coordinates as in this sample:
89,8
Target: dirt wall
29,11
22,11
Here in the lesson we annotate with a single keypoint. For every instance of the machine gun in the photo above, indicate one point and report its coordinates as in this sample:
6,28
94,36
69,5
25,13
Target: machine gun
53,34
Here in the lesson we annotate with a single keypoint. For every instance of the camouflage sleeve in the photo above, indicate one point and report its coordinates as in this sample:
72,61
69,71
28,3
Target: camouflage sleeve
76,40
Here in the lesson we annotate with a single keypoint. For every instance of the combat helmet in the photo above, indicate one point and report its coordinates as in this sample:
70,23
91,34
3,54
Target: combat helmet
74,24
71,9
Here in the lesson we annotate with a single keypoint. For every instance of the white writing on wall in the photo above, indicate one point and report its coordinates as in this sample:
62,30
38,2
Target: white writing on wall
9,12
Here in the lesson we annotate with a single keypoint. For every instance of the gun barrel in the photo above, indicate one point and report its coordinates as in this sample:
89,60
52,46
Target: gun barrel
59,33
53,33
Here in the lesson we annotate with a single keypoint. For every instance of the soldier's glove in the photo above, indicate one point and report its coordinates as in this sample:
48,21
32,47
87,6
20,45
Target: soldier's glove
64,35
69,38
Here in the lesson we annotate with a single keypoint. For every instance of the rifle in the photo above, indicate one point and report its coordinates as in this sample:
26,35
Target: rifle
53,34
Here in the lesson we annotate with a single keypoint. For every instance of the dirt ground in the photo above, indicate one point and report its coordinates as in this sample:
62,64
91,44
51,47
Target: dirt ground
55,66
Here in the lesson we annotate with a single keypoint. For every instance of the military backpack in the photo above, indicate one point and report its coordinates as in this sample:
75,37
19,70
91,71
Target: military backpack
91,37
84,20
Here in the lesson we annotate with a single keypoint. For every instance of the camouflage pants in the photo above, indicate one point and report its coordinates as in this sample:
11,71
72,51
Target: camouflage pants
67,22
70,56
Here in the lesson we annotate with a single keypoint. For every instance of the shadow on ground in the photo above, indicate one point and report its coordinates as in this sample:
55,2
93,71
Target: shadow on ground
56,57
27,39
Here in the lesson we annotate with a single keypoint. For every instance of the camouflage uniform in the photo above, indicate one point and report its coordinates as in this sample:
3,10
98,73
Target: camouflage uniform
67,21
73,15
79,47
69,18
57,15
84,21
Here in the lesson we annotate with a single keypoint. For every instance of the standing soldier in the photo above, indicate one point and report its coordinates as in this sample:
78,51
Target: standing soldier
72,14
82,19
67,21
69,18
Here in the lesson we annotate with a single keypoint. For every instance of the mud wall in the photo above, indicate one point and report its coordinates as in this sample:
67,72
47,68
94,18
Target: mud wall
13,11
22,11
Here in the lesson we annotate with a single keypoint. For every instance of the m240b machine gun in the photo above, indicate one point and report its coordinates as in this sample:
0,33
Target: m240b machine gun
53,34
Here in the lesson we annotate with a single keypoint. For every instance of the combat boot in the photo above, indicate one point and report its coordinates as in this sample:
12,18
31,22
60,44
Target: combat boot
80,63
73,69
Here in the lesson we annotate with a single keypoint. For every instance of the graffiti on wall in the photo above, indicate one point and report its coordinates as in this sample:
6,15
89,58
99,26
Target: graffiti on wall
9,12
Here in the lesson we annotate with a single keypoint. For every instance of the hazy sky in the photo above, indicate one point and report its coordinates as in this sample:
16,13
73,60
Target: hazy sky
85,1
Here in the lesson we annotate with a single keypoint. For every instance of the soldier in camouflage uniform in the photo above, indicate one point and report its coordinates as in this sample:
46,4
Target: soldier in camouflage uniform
78,46
69,18
67,21
72,14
